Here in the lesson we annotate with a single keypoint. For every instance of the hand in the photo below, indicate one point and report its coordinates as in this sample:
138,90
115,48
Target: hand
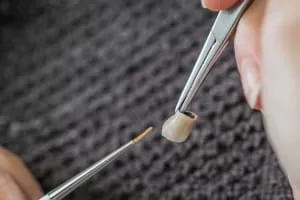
16,182
267,48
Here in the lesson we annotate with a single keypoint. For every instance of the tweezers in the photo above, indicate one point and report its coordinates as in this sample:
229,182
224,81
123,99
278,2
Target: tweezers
214,45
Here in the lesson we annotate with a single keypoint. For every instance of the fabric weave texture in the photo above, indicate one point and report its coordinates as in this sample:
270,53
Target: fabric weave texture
80,78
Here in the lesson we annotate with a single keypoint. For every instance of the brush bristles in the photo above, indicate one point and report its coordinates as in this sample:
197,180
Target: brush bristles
142,135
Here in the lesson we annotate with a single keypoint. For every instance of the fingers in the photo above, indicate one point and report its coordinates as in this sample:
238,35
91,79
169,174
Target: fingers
248,52
247,47
9,190
281,84
15,168
218,4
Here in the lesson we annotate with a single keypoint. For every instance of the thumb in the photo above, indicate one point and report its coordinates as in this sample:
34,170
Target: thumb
9,190
218,4
19,174
281,84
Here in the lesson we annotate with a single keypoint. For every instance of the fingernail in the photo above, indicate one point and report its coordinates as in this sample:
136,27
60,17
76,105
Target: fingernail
250,82
203,2
9,190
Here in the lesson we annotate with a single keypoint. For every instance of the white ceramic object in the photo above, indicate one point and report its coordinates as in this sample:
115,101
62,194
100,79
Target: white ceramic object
179,126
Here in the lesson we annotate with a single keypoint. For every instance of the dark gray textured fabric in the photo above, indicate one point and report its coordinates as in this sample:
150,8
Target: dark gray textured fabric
80,78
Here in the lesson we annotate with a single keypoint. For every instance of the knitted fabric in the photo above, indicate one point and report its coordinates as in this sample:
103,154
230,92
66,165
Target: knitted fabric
80,78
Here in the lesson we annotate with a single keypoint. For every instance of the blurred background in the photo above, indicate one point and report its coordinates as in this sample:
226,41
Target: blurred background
80,78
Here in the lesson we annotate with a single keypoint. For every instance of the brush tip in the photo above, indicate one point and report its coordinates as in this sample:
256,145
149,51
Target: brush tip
142,135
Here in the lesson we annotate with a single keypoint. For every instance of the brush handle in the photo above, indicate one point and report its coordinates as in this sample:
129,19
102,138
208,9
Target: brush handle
70,185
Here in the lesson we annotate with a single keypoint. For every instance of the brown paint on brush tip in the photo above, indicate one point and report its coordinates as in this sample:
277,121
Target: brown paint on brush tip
142,135
179,126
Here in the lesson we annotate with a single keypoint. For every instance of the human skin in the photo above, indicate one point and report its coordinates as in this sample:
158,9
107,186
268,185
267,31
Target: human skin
267,49
247,46
16,181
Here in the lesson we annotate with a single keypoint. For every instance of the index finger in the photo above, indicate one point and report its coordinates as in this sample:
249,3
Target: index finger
12,165
218,4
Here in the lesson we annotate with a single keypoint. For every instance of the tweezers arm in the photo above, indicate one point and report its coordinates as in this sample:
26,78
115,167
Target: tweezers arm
199,72
215,44
227,20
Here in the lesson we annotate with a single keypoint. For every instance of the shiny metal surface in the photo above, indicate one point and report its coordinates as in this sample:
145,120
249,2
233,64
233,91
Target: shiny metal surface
216,42
73,183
